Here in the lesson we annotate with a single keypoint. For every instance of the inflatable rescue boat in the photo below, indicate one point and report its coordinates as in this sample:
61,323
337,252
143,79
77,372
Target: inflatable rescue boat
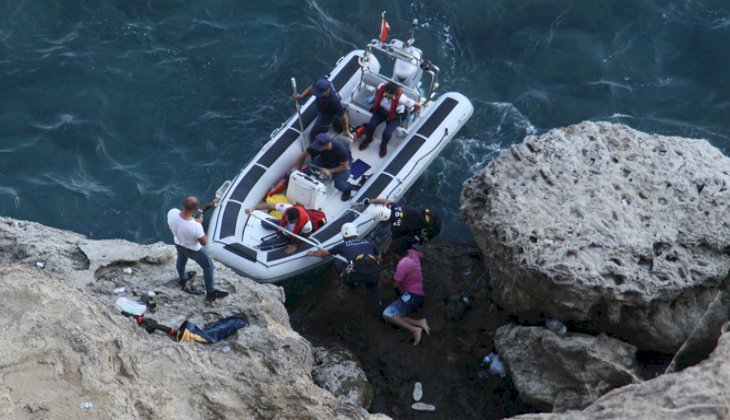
234,237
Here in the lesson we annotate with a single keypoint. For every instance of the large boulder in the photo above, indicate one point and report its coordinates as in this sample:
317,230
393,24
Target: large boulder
65,343
613,229
699,392
557,373
338,371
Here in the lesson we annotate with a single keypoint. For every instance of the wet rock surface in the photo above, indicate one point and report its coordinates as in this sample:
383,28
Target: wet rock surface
65,343
557,373
615,230
446,362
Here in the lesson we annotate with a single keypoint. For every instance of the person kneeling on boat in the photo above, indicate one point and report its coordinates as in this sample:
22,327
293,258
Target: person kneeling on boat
390,106
364,262
332,158
295,219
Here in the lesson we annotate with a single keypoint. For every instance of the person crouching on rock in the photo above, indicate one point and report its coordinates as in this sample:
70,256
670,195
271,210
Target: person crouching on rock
408,225
409,279
364,260
190,238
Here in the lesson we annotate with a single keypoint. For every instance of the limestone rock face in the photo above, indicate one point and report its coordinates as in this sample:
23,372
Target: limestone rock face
613,229
338,371
698,392
65,343
554,373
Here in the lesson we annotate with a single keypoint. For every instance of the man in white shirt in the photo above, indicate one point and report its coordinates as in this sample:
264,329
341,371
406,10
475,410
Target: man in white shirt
189,241
389,106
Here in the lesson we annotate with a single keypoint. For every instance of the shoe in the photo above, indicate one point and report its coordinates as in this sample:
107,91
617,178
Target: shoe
187,285
417,391
215,294
420,406
190,275
193,290
346,195
364,145
363,180
383,151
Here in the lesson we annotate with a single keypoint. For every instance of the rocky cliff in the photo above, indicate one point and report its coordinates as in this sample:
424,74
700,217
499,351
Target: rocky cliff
65,343
615,232
699,392
607,227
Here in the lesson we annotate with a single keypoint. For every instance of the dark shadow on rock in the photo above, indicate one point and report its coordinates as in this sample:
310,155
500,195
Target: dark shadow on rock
446,363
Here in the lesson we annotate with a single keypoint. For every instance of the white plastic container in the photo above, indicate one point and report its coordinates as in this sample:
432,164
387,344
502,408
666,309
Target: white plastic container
306,191
130,306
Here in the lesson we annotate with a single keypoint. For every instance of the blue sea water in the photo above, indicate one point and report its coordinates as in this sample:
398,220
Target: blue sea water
113,111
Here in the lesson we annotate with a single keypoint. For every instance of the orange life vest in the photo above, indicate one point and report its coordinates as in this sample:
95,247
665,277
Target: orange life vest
303,219
393,114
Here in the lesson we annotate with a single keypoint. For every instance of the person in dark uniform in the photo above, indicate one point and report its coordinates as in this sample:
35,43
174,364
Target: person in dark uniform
330,112
364,258
333,158
408,225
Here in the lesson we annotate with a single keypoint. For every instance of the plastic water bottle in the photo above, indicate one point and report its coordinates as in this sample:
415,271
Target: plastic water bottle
496,367
131,307
556,326
86,405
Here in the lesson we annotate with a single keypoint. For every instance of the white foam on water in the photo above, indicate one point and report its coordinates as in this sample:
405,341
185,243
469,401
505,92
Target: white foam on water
23,143
612,85
327,25
61,120
130,170
697,13
509,112
619,116
80,182
13,193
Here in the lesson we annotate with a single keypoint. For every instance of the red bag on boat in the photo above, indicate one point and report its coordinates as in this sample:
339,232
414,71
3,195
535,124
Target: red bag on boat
317,217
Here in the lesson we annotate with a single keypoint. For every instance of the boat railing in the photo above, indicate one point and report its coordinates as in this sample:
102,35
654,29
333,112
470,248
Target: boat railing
400,53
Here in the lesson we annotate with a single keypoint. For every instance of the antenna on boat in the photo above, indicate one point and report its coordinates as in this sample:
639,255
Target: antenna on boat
412,39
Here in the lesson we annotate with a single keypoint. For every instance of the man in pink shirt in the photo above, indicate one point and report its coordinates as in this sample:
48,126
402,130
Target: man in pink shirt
409,279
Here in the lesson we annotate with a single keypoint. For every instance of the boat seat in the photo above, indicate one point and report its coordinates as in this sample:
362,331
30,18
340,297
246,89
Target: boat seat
362,98
369,84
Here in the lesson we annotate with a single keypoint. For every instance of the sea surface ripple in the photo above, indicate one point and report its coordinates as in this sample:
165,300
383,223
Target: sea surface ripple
115,110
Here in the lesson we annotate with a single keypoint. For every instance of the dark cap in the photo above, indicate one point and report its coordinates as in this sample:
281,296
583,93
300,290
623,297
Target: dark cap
391,87
320,141
320,86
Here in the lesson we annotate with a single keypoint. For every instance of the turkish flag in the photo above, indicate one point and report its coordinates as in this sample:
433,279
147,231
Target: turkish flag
384,29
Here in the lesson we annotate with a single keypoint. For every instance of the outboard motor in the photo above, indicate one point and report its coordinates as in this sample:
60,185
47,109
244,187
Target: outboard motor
407,72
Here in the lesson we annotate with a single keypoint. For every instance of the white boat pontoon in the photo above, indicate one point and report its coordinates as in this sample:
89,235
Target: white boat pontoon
234,236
